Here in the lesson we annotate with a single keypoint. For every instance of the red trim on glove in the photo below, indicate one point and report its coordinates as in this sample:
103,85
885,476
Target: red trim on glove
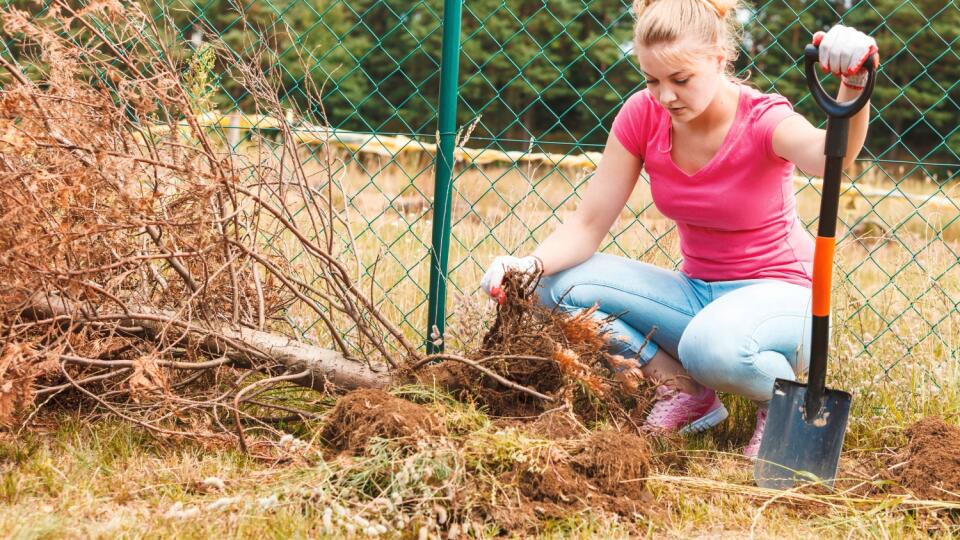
859,65
850,86
817,38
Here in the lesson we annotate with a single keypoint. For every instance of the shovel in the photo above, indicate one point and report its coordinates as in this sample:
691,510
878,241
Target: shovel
806,422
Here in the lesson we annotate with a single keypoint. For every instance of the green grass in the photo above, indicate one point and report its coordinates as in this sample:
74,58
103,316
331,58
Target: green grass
110,480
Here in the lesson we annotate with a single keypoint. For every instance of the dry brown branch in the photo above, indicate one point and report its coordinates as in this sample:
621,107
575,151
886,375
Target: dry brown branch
133,266
154,233
242,347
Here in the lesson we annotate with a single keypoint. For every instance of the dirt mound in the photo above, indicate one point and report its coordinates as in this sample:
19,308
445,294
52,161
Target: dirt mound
363,414
603,471
613,461
932,460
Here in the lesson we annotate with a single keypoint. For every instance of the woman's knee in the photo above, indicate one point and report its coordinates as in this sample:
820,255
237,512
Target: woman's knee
727,357
705,351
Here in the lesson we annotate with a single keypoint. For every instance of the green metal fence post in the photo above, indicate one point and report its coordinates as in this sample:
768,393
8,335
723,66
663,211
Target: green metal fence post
449,75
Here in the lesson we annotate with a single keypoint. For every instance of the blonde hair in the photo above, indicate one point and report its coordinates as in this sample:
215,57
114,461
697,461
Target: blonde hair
668,22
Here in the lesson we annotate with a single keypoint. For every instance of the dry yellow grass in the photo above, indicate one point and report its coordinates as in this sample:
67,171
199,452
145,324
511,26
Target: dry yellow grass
895,349
899,259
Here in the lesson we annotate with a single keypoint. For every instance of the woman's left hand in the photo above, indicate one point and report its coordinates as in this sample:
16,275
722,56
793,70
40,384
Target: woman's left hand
843,51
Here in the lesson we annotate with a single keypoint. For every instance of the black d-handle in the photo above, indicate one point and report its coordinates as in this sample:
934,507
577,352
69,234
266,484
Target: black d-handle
832,107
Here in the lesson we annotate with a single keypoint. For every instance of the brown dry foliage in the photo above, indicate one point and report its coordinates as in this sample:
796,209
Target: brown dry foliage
17,376
116,201
117,205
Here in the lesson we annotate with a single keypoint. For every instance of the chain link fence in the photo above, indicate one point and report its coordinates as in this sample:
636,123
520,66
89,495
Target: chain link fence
535,88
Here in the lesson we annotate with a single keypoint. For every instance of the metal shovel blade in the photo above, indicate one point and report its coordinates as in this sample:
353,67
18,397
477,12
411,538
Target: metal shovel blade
797,449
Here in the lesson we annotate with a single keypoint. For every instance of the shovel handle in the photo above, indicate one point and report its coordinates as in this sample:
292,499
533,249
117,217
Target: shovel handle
835,148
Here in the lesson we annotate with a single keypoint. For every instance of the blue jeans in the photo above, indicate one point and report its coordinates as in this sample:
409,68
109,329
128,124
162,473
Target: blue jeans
732,336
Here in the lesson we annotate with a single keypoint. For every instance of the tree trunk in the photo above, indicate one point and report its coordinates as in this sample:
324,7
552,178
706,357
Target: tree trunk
247,348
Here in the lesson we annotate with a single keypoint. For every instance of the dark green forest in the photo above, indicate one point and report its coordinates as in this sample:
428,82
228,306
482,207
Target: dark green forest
554,73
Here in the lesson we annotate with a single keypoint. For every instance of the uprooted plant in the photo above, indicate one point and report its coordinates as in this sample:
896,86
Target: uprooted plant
551,359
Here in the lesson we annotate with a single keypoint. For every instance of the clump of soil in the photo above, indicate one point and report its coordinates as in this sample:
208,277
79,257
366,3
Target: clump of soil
613,461
932,457
555,353
603,471
367,413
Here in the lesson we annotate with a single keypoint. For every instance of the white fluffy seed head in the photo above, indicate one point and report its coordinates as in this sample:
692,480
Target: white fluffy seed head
213,482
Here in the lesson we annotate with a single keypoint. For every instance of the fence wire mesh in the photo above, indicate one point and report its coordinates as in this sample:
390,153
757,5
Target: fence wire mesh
539,84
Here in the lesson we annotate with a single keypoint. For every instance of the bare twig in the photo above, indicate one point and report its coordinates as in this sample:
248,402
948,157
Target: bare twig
487,372
155,235
261,382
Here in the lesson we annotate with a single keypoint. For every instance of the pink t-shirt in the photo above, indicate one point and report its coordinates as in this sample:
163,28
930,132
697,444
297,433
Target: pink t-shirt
737,216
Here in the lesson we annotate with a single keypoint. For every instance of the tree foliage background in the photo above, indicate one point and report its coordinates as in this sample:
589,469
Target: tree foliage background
556,72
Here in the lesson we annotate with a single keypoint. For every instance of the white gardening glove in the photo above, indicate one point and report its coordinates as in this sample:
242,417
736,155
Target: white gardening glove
492,281
843,51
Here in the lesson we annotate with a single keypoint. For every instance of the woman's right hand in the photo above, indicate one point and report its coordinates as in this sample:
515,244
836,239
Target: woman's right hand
492,281
843,51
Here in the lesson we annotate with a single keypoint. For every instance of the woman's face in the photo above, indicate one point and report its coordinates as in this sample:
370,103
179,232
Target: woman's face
684,88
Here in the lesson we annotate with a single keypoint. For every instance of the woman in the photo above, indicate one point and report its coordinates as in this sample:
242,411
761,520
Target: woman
720,156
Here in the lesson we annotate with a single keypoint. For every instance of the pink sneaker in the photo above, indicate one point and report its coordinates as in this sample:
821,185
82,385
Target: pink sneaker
684,413
752,449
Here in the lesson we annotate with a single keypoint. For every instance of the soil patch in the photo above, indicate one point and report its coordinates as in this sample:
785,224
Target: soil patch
614,462
932,457
366,413
603,471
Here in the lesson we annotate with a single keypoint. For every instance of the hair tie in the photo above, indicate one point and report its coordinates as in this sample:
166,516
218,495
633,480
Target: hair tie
720,11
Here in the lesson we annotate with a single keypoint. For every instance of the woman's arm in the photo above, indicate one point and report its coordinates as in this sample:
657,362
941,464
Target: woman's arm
843,51
798,141
578,238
